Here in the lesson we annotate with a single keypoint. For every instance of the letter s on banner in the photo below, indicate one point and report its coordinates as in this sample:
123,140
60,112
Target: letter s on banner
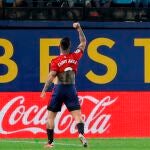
108,62
5,59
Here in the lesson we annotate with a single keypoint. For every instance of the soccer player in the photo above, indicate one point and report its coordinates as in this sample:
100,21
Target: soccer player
64,67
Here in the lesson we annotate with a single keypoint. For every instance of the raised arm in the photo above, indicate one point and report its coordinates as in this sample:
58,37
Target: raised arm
48,82
82,37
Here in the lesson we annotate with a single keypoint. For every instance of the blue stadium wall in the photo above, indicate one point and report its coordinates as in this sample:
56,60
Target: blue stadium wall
117,55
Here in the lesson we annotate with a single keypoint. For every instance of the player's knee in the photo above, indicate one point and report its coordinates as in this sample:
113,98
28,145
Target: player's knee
78,119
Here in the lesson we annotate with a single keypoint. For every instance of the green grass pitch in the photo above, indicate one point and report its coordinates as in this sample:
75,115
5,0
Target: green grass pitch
74,144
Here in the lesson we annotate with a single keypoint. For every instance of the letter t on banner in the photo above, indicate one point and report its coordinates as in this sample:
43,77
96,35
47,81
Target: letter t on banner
145,42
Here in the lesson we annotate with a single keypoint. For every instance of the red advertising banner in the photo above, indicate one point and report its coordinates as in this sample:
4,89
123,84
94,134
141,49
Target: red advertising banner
106,114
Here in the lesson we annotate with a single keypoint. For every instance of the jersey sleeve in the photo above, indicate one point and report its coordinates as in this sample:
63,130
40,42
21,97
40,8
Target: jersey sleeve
54,66
78,53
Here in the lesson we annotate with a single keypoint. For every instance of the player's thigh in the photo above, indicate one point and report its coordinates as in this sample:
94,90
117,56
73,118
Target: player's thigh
55,105
71,101
55,102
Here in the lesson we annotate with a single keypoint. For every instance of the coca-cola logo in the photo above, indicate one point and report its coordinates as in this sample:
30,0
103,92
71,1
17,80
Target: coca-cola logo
16,116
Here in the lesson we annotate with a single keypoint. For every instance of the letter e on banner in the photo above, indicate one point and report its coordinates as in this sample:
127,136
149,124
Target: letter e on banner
45,58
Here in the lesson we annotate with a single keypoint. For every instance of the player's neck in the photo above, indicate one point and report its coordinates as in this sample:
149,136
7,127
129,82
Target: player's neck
64,52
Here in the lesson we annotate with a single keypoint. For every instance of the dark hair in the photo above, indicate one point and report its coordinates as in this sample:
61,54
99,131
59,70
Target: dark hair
65,43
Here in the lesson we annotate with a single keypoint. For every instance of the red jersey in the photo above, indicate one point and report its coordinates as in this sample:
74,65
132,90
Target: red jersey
66,62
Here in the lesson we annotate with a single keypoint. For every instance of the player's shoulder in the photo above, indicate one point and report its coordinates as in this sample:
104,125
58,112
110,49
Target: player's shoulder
55,59
78,50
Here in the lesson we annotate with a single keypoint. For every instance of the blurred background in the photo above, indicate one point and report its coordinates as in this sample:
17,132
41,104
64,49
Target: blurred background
97,10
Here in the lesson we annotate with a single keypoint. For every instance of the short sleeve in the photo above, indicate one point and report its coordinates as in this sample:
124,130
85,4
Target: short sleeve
54,66
78,53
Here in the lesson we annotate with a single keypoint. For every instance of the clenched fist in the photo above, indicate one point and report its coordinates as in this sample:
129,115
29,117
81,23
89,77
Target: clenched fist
76,25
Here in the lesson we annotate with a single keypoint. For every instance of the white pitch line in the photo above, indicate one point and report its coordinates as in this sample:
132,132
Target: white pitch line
34,142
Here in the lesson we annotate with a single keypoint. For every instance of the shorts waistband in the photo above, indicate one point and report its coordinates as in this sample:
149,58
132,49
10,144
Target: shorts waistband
64,84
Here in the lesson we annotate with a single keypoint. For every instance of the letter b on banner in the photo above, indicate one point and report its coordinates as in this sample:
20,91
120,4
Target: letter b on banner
5,59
